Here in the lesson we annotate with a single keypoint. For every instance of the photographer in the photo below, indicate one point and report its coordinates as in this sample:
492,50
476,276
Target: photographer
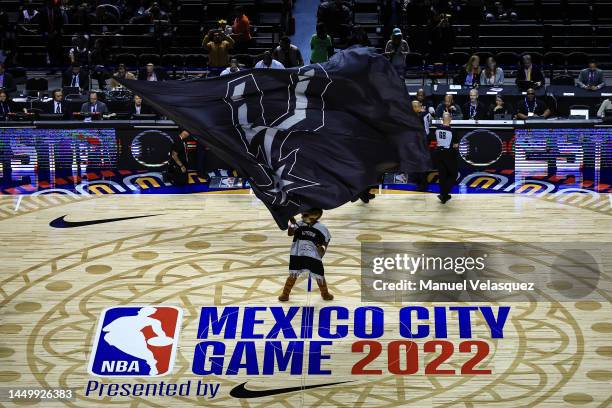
219,45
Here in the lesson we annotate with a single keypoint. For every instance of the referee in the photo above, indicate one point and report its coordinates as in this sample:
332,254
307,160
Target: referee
447,145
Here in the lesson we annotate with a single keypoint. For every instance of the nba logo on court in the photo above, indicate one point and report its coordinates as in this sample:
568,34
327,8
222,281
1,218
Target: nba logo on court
136,341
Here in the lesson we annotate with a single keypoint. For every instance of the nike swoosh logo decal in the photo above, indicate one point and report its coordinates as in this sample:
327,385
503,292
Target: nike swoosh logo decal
240,391
62,223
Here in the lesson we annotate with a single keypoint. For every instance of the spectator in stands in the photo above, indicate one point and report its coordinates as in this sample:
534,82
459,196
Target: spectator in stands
79,53
232,68
442,36
424,100
58,104
80,16
530,72
152,73
474,109
321,45
532,107
591,78
500,107
492,74
449,106
359,37
606,105
103,18
219,46
29,14
288,54
336,16
139,108
7,36
268,62
121,73
224,28
470,73
396,50
98,59
51,23
241,30
6,105
76,77
155,14
7,82
93,105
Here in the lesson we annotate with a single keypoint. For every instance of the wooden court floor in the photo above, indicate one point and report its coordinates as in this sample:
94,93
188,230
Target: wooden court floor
204,250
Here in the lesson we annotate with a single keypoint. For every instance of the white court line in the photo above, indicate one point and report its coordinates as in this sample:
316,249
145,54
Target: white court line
19,197
610,198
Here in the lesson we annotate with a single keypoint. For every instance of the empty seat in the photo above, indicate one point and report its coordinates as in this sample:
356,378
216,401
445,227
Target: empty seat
129,60
507,59
577,59
173,60
554,60
144,59
458,58
197,61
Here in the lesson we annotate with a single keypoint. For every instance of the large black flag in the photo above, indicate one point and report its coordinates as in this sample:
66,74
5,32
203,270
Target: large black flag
314,136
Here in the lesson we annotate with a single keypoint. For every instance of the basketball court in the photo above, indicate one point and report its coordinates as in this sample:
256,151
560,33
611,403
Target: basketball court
199,250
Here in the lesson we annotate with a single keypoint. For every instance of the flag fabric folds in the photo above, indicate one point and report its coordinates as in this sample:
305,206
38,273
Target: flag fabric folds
314,136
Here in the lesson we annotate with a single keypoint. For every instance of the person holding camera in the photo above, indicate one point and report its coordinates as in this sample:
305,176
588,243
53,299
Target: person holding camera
219,45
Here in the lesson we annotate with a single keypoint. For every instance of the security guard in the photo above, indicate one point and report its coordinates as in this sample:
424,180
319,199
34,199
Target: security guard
446,152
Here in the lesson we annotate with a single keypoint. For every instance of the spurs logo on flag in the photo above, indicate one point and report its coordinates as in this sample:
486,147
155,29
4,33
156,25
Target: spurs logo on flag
264,137
309,137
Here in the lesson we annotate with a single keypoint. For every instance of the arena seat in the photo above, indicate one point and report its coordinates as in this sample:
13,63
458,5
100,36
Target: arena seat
196,61
130,60
144,59
173,60
507,60
577,60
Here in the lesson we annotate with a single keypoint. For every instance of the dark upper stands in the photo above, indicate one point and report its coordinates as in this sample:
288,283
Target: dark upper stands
558,34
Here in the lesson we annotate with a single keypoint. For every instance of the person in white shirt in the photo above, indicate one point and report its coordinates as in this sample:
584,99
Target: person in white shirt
269,62
232,68
605,105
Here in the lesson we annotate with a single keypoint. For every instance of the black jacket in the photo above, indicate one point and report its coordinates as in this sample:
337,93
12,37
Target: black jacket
160,73
6,108
83,79
144,109
536,74
9,84
49,107
481,111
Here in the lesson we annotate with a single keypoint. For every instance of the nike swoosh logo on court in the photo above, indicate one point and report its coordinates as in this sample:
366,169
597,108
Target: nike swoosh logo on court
62,223
240,391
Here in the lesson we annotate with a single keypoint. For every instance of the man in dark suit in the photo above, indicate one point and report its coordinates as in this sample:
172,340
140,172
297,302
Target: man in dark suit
530,72
58,104
591,78
93,105
152,73
75,76
137,107
474,109
7,82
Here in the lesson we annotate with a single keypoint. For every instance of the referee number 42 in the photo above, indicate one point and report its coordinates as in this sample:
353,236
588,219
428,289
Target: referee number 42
403,357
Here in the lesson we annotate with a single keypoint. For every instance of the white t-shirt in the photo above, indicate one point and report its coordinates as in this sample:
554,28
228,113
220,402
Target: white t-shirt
274,65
